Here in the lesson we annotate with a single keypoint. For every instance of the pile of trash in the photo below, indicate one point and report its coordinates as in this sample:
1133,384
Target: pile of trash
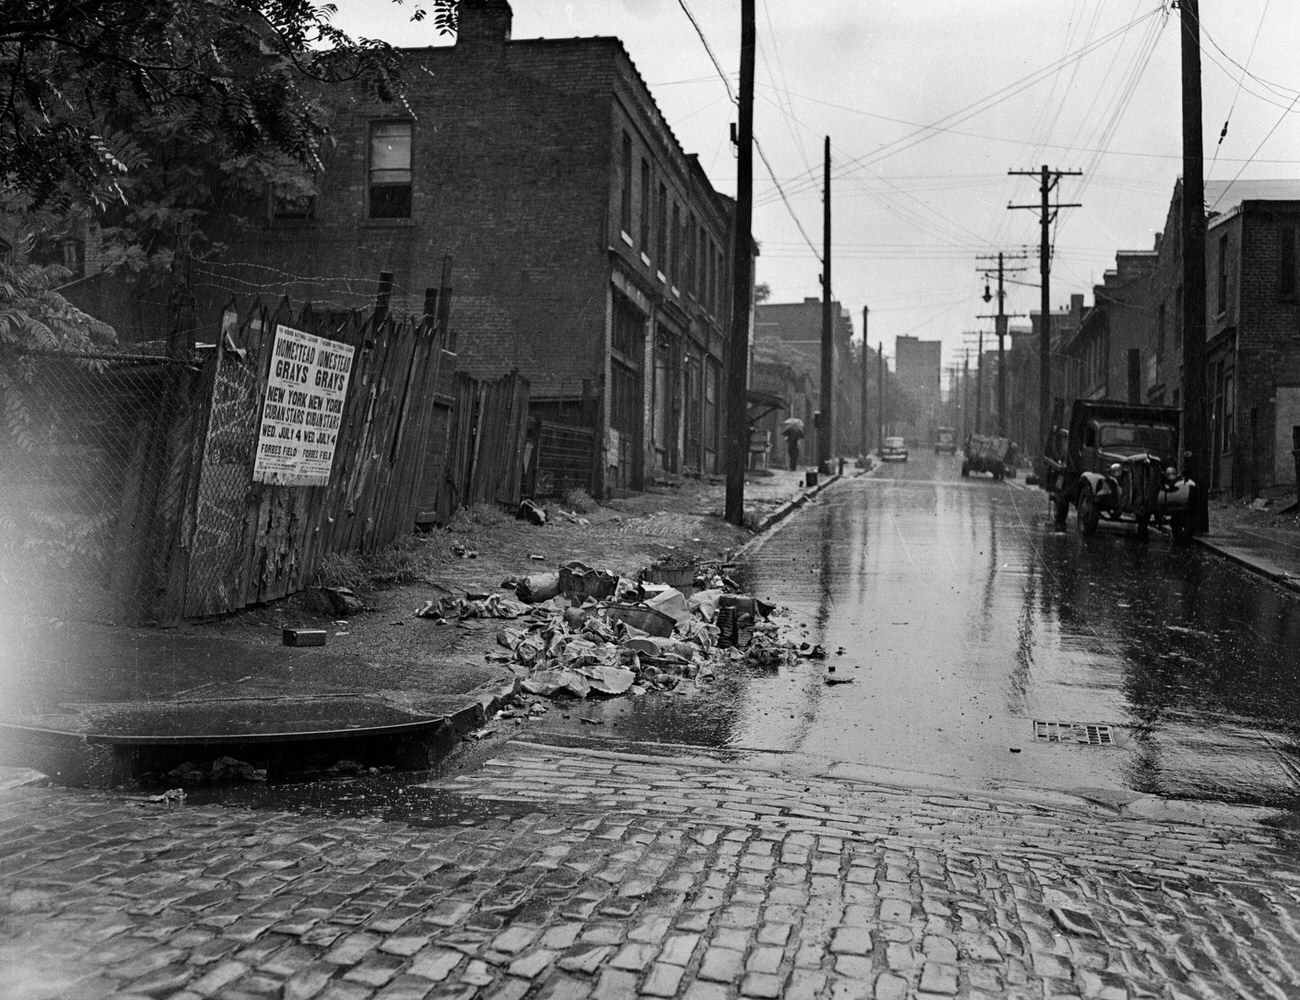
583,631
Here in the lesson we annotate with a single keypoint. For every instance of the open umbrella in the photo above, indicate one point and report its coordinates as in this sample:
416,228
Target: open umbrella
790,423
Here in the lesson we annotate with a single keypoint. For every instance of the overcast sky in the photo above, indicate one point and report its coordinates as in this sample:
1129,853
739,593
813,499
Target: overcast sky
927,106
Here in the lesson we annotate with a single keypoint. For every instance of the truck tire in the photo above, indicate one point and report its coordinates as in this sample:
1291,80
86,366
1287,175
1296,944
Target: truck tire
1144,527
1180,526
1088,514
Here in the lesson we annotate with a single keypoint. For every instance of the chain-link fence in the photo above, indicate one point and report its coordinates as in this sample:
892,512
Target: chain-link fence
88,457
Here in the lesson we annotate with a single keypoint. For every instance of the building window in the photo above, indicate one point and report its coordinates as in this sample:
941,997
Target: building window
675,253
625,206
6,252
293,200
645,206
1160,330
689,239
703,289
720,292
1223,275
1286,259
390,170
661,227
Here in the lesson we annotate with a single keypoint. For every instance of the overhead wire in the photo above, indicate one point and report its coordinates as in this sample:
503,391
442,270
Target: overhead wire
726,81
1223,134
1237,176
985,103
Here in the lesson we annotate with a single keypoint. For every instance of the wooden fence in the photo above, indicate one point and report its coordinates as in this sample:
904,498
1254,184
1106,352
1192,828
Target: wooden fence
485,451
248,542
140,476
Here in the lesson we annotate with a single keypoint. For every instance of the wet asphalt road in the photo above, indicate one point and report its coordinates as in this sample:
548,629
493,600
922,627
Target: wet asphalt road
964,620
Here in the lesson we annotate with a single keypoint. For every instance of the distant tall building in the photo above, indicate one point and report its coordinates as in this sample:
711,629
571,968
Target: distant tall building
918,369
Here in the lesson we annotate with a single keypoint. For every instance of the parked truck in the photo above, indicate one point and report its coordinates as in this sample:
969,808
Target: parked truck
1118,461
987,454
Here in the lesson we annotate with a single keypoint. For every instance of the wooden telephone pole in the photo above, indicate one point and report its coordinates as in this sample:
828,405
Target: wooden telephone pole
827,394
862,450
1192,224
742,277
1048,179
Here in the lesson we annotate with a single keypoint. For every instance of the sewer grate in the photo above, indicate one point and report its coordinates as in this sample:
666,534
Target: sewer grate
1087,733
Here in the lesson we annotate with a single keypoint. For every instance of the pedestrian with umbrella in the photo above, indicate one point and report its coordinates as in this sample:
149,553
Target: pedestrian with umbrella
792,428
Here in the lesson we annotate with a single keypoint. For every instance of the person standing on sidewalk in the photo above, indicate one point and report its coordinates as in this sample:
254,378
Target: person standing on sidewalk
793,432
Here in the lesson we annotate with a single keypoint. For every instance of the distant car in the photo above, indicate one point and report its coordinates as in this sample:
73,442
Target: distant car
895,450
945,439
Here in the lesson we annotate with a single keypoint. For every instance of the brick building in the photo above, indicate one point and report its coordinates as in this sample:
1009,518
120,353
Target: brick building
590,252
1023,368
1252,377
1106,356
791,333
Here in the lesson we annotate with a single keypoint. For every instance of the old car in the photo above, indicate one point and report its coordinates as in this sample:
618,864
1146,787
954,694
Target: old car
945,439
894,450
1118,461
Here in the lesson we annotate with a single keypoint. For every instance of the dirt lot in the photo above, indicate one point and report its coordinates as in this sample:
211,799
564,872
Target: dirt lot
484,547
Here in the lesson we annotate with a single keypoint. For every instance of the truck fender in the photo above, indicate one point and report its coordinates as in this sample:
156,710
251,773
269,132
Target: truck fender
1100,485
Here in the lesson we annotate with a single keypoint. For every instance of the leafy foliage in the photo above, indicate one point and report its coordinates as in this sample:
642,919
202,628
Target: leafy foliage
153,119
36,535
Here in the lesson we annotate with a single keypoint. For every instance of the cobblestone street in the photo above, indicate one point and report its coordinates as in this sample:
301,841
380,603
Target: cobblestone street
569,873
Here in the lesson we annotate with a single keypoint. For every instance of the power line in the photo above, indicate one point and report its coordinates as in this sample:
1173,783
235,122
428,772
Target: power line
709,49
763,156
1237,177
790,208
985,103
1223,134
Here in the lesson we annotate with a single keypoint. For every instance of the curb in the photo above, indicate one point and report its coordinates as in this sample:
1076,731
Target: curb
1280,577
781,513
101,761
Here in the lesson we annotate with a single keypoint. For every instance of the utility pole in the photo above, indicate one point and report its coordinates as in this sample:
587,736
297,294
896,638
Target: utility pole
828,322
1001,319
1048,179
863,428
742,277
880,397
979,380
1193,231
965,397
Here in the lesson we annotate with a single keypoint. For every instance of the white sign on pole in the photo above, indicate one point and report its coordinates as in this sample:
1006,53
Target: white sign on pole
303,409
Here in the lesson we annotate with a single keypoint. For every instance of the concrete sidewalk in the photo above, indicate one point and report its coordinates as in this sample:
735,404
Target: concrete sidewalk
76,697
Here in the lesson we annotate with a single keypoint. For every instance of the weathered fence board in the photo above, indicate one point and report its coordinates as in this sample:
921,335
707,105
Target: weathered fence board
253,542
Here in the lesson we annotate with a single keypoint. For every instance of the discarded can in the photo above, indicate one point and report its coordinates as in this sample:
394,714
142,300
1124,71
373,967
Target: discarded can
810,478
303,636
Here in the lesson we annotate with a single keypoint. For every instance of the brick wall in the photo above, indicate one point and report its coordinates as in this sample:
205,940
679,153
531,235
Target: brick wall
1268,332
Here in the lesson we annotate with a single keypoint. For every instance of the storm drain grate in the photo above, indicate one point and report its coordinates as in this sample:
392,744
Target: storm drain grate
1089,733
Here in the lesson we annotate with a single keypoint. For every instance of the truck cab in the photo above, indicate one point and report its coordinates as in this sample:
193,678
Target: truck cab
1118,461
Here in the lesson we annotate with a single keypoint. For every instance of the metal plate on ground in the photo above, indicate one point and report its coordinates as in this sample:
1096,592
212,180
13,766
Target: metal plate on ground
1085,733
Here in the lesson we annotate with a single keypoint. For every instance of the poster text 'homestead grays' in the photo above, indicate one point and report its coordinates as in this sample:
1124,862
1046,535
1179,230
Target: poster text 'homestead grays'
305,392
